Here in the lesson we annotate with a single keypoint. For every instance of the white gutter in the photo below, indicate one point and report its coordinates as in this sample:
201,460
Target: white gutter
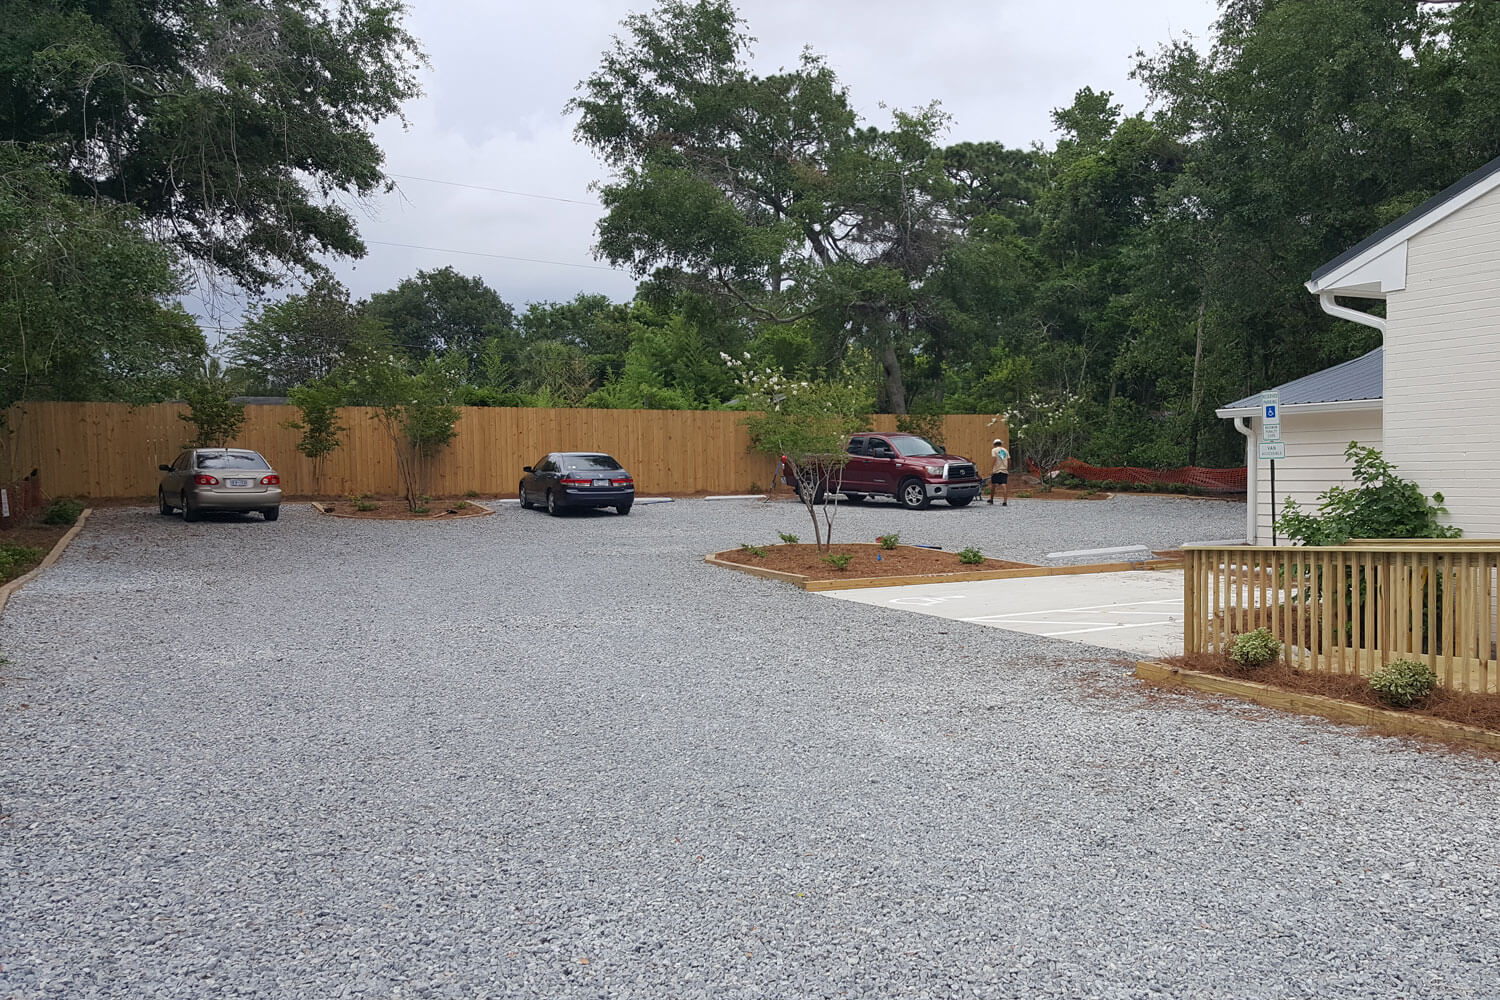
1252,476
1329,302
1335,406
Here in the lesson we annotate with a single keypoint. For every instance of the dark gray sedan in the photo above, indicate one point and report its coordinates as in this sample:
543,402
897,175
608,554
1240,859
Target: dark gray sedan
232,479
577,479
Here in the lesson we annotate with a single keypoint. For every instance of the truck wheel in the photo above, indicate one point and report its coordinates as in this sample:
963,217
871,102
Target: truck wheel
912,494
804,488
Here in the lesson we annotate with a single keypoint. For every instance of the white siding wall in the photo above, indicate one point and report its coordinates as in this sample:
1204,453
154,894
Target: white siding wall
1315,444
1442,365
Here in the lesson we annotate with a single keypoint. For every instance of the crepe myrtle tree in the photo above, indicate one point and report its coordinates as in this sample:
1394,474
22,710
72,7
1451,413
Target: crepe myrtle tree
416,408
806,424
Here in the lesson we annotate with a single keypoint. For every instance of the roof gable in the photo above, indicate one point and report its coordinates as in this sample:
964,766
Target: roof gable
1377,264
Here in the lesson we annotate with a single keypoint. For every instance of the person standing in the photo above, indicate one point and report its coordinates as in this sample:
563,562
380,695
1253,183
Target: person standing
1000,474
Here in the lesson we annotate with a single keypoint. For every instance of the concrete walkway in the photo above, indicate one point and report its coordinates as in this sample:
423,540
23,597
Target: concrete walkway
1138,612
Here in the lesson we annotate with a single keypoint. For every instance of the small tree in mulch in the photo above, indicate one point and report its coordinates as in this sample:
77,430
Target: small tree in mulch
318,402
806,422
417,410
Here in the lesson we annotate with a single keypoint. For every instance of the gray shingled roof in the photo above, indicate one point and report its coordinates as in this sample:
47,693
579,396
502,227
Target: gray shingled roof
1360,379
1442,197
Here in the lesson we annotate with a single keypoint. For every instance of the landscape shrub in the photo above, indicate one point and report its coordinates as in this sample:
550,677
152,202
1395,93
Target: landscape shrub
62,511
971,556
1255,649
757,551
788,537
1403,683
839,560
17,559
888,542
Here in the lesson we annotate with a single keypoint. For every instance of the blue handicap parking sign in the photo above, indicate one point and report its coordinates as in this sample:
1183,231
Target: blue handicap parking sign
1271,412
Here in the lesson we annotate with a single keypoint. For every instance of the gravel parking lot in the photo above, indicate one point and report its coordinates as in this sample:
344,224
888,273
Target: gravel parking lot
519,756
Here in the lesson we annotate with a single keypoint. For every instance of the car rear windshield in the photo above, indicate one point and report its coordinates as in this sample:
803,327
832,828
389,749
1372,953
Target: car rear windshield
914,447
601,463
230,460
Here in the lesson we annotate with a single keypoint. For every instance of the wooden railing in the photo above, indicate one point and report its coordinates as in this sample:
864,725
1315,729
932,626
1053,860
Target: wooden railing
1353,608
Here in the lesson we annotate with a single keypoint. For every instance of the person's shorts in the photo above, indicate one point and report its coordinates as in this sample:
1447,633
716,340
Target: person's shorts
1000,478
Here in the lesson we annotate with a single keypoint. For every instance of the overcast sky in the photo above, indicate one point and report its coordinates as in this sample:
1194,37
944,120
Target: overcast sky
502,70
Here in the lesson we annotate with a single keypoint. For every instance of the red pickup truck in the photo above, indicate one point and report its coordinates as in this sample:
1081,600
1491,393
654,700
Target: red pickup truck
903,466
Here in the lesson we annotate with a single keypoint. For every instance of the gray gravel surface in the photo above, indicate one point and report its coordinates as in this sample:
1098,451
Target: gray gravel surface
520,756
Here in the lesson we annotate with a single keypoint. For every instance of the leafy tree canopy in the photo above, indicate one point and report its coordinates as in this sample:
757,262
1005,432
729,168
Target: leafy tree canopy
226,124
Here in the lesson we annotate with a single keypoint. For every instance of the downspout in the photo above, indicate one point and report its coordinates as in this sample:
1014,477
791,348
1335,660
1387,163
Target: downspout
1252,477
1331,307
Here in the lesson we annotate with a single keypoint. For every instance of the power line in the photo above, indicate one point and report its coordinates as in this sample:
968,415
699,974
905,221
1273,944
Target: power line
497,256
481,187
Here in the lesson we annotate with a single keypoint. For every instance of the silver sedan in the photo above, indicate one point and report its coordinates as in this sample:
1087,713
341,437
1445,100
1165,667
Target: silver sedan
219,479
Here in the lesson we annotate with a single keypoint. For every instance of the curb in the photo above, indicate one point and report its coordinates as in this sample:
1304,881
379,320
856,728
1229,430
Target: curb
868,582
1332,709
47,560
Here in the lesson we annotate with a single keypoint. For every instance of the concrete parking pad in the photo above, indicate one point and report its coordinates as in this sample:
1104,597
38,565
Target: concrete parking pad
1139,612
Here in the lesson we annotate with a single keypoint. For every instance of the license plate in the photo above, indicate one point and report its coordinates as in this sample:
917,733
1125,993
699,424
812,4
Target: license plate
239,482
601,482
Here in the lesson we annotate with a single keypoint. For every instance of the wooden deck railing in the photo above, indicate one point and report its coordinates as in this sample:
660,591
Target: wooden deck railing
1353,608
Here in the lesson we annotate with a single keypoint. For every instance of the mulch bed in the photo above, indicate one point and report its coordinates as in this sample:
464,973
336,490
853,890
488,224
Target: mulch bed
1479,710
31,534
387,509
868,560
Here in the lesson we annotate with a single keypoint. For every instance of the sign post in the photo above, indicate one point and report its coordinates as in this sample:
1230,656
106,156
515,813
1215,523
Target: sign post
1271,445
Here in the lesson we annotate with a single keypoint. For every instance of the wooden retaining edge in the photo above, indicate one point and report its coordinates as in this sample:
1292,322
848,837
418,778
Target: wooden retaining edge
865,582
322,508
47,560
1332,709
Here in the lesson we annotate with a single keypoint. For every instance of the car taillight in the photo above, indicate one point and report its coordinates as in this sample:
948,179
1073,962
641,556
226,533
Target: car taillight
578,482
205,480
270,480
625,481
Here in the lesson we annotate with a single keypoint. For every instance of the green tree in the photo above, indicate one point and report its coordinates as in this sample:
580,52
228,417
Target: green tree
318,403
225,124
215,417
303,339
84,310
444,312
417,409
764,193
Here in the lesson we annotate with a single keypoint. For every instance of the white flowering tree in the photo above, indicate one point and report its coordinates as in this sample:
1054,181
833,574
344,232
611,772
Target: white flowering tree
1046,429
805,424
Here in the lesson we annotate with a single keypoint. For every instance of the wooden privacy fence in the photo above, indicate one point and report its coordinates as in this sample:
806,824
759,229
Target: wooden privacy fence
1353,608
111,450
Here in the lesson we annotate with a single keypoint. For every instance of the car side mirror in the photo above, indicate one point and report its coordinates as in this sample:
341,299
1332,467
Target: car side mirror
526,468
165,468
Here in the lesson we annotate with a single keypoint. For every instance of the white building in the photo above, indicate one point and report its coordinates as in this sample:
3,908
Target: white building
1429,398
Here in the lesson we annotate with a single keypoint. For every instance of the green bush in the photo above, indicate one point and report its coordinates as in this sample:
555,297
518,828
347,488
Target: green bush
888,542
788,537
839,561
1383,505
17,559
62,511
1255,649
1403,683
757,551
971,556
